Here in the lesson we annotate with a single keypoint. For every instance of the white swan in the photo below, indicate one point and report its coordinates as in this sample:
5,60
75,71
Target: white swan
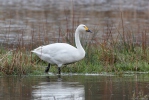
62,53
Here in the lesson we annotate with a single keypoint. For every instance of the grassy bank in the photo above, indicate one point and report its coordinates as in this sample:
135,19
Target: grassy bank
97,60
117,50
17,62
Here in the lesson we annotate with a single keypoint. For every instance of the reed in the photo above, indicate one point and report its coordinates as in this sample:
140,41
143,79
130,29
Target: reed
117,49
16,62
140,96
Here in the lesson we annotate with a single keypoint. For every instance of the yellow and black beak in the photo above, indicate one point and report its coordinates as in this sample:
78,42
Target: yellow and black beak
87,30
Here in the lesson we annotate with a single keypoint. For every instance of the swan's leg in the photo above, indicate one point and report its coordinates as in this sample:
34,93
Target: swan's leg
47,68
59,70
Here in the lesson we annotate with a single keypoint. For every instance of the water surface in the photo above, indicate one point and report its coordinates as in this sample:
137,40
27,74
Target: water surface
75,87
26,21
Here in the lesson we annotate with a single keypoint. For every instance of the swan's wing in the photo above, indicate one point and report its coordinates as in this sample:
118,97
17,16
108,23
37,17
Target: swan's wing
58,53
65,56
63,53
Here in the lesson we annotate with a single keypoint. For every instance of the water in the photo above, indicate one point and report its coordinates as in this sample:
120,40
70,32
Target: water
75,87
32,20
46,20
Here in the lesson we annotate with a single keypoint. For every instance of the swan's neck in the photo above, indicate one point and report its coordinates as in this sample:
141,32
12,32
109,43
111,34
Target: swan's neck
78,43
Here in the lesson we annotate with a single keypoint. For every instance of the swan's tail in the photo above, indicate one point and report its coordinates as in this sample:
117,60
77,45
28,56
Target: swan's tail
37,51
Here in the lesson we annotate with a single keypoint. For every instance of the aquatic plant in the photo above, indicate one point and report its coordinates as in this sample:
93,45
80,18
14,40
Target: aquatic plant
17,62
116,49
139,96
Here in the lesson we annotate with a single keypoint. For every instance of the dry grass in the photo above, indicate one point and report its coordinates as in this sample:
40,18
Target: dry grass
18,62
116,46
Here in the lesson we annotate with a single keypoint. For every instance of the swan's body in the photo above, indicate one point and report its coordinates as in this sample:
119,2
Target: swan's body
62,53
59,53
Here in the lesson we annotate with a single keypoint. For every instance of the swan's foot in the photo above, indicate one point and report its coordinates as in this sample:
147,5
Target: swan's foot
47,68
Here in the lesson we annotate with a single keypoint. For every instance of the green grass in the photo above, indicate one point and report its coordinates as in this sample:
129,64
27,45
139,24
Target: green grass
97,60
17,62
112,54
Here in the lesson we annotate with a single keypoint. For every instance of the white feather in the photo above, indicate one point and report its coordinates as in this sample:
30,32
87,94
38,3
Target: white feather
62,53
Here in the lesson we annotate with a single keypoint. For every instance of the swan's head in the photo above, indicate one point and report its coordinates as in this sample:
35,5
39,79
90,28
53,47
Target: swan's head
83,28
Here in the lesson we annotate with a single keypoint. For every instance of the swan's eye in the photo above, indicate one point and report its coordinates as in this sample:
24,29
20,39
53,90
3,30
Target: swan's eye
86,28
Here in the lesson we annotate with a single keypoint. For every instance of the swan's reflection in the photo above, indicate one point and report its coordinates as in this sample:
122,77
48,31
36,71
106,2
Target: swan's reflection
58,91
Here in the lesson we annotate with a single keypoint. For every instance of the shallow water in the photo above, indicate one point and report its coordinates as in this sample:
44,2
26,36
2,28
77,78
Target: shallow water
26,21
75,87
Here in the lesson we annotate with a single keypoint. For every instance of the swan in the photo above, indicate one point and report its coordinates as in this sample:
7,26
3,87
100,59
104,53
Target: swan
62,53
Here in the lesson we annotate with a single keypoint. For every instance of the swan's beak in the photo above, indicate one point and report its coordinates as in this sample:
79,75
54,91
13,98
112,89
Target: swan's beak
89,31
